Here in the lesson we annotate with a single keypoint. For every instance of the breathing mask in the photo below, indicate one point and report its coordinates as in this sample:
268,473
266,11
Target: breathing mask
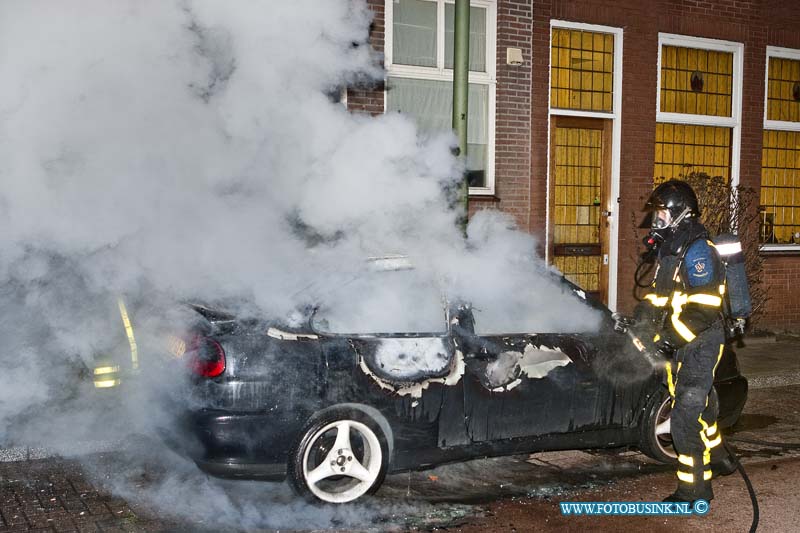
662,225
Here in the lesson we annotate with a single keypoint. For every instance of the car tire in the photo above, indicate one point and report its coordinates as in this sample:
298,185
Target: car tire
654,442
341,455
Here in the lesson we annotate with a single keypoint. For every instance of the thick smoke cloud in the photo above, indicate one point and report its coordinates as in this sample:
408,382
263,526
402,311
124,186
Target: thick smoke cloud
171,150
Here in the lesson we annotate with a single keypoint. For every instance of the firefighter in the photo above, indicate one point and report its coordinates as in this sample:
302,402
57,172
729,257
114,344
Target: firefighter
685,307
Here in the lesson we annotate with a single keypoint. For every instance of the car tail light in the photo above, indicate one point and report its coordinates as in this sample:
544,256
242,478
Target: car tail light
205,356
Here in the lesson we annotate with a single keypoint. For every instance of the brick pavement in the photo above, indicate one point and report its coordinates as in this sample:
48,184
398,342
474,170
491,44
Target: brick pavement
54,495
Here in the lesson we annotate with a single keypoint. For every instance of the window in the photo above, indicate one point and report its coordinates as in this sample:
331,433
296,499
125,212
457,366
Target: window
780,156
680,147
582,70
783,88
698,109
696,81
419,61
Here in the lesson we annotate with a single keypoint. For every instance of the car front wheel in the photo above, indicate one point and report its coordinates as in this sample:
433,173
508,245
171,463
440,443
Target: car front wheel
341,456
656,437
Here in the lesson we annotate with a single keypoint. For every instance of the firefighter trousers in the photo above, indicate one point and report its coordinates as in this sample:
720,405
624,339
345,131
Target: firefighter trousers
695,435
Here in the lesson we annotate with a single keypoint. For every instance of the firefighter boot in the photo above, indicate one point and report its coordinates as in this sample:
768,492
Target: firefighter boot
690,493
694,483
722,463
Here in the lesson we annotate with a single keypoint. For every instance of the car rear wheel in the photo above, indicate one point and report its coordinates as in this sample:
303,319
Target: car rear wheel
341,456
656,438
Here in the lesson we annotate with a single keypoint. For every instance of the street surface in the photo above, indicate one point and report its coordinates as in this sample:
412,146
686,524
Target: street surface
139,487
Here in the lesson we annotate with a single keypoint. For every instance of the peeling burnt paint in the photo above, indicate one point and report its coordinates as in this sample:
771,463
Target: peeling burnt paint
410,379
504,372
407,366
412,359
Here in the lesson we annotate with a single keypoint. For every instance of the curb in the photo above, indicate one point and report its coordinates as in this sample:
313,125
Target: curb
26,453
764,339
773,380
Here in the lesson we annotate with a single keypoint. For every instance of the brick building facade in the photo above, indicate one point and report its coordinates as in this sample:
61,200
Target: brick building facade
624,128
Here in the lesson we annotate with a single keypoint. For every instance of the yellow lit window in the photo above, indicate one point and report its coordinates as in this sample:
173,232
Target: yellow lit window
696,81
582,70
576,202
780,187
583,271
783,89
682,148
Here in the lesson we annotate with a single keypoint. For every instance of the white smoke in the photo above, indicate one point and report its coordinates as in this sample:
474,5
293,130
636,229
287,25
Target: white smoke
168,150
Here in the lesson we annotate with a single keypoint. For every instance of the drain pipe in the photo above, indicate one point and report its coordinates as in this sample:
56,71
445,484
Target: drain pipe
461,97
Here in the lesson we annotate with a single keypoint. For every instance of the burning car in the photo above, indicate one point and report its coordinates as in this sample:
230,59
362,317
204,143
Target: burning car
334,410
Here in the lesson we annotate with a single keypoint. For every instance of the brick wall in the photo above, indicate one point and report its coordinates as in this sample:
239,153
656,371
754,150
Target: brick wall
782,275
522,108
513,115
370,99
539,113
756,24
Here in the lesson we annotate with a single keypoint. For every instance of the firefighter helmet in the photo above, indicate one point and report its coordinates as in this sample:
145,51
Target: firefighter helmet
674,196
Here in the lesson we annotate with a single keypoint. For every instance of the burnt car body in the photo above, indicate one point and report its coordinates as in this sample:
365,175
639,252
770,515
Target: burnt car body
336,412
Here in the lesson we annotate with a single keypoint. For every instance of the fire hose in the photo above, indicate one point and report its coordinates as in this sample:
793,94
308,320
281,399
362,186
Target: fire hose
740,468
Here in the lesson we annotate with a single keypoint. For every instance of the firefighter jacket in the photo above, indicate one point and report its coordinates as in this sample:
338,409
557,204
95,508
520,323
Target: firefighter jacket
688,289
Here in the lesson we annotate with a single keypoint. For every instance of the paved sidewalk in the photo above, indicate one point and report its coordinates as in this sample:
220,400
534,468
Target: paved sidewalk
53,495
770,361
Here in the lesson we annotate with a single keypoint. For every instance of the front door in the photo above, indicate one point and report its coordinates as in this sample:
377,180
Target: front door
580,184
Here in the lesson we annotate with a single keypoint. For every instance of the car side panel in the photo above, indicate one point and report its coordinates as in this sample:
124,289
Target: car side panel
414,416
520,386
254,412
505,398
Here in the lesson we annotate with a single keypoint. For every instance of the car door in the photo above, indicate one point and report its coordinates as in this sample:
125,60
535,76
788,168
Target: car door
390,332
524,385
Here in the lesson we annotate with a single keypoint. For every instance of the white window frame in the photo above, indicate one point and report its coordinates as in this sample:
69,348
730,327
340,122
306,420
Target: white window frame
616,143
735,120
439,73
779,125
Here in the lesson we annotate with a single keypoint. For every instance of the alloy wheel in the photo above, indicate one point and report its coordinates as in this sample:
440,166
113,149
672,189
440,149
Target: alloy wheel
663,434
342,461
